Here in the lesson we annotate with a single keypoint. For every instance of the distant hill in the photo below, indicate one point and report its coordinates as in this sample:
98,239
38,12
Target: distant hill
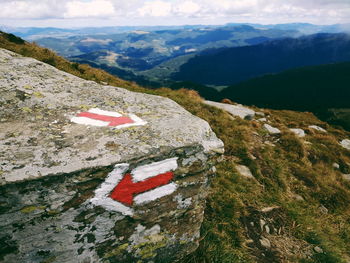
142,50
233,65
324,90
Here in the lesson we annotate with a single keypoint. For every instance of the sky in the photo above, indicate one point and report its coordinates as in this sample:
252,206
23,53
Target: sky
83,13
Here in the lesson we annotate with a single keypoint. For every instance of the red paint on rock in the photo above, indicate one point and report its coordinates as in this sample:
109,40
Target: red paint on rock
126,189
113,121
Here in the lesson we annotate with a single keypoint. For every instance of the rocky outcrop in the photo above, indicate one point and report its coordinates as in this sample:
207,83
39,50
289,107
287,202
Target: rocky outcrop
235,110
345,143
271,130
93,173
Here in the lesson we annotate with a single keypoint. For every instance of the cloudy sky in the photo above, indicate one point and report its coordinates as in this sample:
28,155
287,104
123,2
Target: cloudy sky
78,13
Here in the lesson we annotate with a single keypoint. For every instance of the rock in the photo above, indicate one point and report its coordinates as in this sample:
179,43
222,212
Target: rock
298,132
262,120
345,143
335,166
259,113
244,171
298,197
323,209
264,242
269,209
317,249
271,130
93,173
317,128
346,177
235,110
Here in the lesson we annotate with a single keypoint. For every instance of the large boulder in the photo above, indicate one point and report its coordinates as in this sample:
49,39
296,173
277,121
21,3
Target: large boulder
93,173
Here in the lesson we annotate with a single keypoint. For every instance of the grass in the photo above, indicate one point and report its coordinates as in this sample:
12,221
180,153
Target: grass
292,167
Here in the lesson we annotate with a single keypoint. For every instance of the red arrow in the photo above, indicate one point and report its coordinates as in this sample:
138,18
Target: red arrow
113,121
126,189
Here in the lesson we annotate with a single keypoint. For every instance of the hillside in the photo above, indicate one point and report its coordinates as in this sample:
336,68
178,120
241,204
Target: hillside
315,89
294,207
233,65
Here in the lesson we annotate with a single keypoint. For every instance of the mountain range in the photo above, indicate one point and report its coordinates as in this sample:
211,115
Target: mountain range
229,66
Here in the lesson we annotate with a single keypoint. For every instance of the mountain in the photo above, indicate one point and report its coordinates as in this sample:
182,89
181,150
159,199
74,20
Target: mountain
232,65
274,197
142,50
316,89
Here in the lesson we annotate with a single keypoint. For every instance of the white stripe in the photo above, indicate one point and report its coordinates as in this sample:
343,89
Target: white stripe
141,173
88,121
102,193
155,194
103,112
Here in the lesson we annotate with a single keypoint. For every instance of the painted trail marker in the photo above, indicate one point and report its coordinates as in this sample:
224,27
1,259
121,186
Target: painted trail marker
102,118
143,184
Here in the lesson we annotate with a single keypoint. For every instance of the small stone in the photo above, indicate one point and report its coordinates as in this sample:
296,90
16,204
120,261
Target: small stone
335,166
298,132
262,224
244,171
271,130
265,243
323,209
318,250
267,229
346,177
317,128
345,143
262,120
298,197
259,113
269,209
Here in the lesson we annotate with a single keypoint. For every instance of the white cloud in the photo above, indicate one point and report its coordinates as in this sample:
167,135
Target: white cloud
188,8
177,11
156,8
95,8
26,9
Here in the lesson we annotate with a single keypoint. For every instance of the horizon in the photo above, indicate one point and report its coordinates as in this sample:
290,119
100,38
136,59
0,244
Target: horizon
103,13
174,25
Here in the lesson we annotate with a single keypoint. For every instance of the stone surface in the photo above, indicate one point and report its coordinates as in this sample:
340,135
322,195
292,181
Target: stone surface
244,171
59,199
235,110
346,177
298,132
317,249
271,130
335,165
345,143
264,242
317,128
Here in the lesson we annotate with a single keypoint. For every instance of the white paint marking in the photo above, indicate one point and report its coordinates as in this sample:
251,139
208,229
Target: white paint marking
141,173
102,193
88,121
155,194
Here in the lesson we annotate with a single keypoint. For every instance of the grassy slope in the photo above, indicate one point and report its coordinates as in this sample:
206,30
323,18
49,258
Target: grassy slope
231,231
